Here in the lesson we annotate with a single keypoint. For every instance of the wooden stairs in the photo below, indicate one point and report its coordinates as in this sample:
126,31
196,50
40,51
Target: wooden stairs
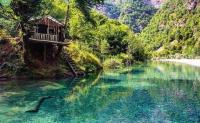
75,70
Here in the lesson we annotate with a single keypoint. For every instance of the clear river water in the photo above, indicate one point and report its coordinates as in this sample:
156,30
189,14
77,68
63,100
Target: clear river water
145,93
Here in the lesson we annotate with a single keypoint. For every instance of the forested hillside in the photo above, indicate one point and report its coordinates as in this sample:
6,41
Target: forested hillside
174,30
134,13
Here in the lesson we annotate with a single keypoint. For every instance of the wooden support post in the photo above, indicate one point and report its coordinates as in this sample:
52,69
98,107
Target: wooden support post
37,29
56,30
45,52
57,34
48,27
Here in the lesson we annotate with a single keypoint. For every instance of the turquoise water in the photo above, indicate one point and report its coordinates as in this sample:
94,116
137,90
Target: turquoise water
147,93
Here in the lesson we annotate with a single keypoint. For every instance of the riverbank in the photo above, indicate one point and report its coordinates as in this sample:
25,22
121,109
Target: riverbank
192,62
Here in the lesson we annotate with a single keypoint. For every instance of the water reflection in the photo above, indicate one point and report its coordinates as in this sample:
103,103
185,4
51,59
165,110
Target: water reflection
153,92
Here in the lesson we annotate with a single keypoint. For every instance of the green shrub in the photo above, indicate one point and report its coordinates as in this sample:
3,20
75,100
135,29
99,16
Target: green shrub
118,61
3,34
83,57
112,63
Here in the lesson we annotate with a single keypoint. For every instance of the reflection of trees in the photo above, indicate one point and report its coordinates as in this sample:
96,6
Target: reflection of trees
88,100
112,101
81,88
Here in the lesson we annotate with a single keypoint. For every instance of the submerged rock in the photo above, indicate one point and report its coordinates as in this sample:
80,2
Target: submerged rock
192,4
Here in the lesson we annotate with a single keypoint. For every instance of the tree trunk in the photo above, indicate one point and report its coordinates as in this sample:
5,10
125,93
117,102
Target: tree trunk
67,21
25,43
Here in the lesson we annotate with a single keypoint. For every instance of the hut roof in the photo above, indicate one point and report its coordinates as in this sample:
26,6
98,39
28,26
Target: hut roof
47,20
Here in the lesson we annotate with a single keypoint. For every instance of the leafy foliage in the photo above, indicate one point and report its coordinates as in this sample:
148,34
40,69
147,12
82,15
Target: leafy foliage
8,26
83,56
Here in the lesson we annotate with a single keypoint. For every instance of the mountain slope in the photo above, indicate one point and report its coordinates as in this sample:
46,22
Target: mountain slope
174,30
135,13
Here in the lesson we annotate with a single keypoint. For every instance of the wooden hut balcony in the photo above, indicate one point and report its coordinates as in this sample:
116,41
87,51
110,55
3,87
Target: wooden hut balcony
45,37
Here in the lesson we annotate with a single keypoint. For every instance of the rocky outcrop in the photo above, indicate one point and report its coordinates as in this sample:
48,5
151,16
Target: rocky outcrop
109,10
155,3
192,4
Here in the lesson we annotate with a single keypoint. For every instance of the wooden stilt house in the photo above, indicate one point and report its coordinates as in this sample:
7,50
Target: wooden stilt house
46,37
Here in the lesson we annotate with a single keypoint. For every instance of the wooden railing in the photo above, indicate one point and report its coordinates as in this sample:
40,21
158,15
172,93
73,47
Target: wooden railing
47,37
